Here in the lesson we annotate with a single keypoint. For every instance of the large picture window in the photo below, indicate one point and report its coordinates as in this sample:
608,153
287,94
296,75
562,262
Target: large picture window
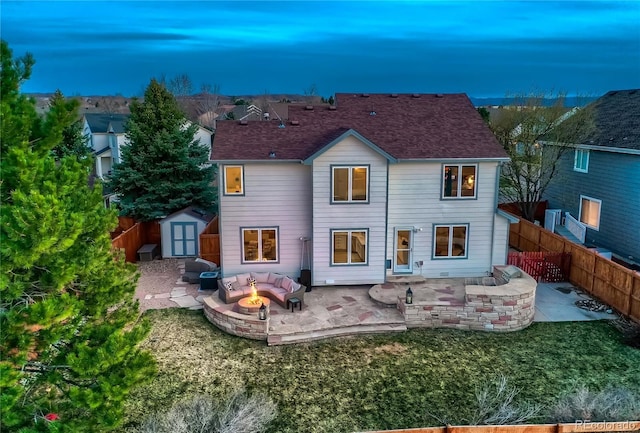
590,212
450,241
233,180
259,245
581,161
350,184
349,247
459,181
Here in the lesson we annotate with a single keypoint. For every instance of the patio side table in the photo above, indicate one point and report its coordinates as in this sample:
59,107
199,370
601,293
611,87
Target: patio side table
293,302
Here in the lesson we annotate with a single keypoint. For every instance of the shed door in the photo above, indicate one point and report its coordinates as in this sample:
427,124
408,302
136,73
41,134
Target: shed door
184,239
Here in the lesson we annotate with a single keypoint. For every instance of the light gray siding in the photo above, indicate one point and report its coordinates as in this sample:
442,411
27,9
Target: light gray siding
276,195
415,201
500,240
613,178
370,216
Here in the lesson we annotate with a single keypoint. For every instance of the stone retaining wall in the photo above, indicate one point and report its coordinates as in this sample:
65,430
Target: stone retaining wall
242,325
508,307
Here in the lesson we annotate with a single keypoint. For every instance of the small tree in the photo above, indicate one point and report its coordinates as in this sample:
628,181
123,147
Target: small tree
535,136
63,111
163,168
70,328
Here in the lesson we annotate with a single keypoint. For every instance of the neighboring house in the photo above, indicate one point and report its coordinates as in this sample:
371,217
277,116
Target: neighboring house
374,186
598,180
107,136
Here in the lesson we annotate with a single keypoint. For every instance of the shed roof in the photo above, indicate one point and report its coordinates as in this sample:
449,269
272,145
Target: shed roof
193,212
405,126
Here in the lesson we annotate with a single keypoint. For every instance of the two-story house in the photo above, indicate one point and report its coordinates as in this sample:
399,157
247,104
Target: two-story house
106,133
598,179
377,185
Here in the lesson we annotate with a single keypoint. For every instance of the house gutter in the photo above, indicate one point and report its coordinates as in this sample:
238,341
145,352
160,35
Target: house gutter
595,147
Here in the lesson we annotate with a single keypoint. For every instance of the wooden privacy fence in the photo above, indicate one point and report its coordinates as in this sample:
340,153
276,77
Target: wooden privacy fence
210,242
612,283
134,236
543,266
574,427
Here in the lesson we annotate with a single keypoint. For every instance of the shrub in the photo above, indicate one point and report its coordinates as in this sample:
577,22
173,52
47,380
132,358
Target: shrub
237,414
610,404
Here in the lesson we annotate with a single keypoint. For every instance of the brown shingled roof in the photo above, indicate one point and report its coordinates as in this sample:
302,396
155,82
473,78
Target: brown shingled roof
423,126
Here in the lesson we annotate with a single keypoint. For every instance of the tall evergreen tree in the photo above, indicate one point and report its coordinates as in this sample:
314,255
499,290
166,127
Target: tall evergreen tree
70,328
163,168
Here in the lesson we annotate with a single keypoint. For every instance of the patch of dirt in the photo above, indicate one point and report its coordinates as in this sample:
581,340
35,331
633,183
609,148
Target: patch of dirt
159,277
630,331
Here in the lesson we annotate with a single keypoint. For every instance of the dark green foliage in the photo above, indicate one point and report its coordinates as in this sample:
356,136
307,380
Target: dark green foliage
485,114
70,327
63,113
163,169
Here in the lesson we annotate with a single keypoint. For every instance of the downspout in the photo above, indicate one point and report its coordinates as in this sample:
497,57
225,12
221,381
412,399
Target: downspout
495,207
386,228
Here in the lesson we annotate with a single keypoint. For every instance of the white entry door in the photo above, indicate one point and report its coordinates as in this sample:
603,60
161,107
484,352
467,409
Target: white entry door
403,250
184,239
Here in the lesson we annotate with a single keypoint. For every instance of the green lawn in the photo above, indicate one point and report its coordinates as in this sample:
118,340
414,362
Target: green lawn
377,382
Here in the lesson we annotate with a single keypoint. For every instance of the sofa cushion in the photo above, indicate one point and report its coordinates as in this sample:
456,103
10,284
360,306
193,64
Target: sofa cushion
265,286
278,282
279,293
287,283
294,287
228,280
243,279
260,277
272,278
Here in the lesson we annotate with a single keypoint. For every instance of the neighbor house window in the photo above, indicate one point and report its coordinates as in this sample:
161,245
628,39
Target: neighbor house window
350,184
459,181
450,241
590,212
581,160
260,244
233,180
348,247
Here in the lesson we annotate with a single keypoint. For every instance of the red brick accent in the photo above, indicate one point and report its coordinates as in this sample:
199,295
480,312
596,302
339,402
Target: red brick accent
510,303
505,317
525,306
427,307
484,309
451,321
498,322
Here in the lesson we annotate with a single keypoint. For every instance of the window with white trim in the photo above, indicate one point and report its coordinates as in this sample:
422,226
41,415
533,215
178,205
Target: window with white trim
233,180
581,160
450,241
459,181
350,184
348,247
590,212
259,245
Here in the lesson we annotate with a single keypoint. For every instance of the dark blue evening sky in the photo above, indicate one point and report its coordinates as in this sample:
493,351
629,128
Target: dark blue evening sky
482,48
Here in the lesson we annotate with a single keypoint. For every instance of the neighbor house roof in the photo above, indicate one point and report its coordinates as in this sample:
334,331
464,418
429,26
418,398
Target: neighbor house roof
405,126
101,122
617,120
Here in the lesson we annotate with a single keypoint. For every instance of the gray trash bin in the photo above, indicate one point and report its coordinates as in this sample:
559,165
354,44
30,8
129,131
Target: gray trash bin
208,281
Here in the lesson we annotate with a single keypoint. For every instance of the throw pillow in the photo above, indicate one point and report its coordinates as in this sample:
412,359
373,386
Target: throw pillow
287,283
260,277
295,286
272,278
278,282
229,285
243,279
251,280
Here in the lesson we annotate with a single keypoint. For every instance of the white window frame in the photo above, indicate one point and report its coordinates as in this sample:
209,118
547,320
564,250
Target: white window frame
224,169
259,258
593,200
350,183
579,156
450,242
349,233
458,182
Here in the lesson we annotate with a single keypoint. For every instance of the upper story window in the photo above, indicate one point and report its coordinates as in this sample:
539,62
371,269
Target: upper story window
459,181
450,241
350,184
233,180
260,244
590,212
581,160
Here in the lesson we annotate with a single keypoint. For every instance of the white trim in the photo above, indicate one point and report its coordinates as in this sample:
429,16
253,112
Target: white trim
582,152
459,182
225,191
260,257
408,267
595,147
594,200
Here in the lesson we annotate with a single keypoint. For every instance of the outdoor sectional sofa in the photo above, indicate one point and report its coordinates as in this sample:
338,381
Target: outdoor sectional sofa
277,287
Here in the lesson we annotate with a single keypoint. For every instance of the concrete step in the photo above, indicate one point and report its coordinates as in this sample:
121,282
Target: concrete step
302,336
